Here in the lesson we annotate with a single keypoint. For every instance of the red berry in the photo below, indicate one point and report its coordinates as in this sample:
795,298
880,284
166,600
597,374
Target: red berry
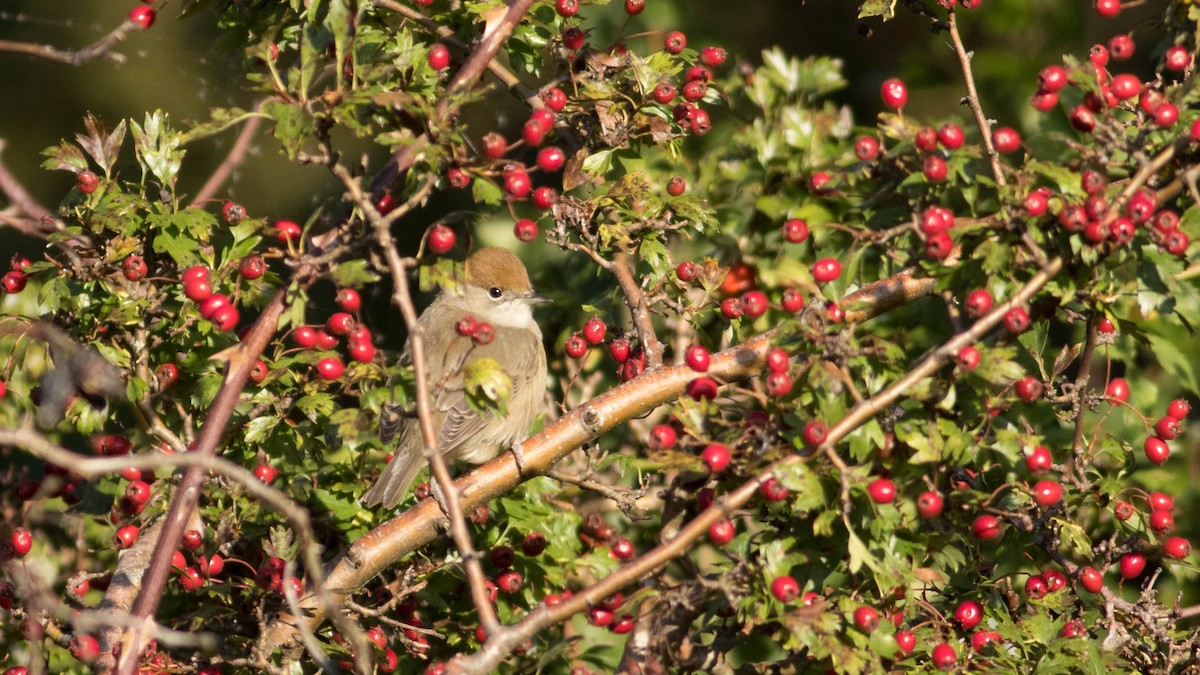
795,231
866,618
551,158
1036,587
785,589
142,16
676,186
509,581
772,490
439,56
1177,548
138,492
1052,78
754,304
779,384
712,56
1091,580
1073,629
361,351
1161,521
1123,510
906,641
1016,320
968,615
731,308
978,303
1028,388
1044,100
517,183
1179,409
986,527
126,536
86,648
1167,428
944,657
929,504
575,347
1006,140
252,267
934,168
1157,450
792,300
330,368
594,330
286,231
697,358
266,473
675,42
686,271
663,437
543,197
715,457
926,139
894,93
815,433
618,349
981,639
134,268
1132,564
1117,391
1047,493
721,532
1039,460
1160,500
567,8
866,148
525,230
634,7
225,318
882,491
1177,59
1121,47
21,541
1107,8
702,388
555,99
826,269
951,136
87,182
968,358
441,239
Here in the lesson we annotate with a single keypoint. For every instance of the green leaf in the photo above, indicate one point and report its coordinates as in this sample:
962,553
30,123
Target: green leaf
488,386
883,9
293,125
486,192
158,147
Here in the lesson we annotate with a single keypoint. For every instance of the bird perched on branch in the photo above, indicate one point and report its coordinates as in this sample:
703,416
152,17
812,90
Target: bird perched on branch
485,367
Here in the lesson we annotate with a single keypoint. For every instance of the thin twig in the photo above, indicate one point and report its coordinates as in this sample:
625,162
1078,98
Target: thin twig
101,48
639,308
237,154
972,100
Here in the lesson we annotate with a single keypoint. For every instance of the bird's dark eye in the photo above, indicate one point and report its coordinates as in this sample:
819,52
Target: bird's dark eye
495,292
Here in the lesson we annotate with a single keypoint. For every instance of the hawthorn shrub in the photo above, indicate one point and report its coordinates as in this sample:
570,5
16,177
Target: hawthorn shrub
829,392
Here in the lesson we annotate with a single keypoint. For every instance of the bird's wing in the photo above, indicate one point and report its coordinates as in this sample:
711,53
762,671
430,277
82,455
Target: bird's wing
517,350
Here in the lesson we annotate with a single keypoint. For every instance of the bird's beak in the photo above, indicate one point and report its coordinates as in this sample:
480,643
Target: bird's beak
537,298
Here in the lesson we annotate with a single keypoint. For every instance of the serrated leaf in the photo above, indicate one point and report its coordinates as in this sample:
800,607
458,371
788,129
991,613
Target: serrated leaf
486,192
258,429
293,125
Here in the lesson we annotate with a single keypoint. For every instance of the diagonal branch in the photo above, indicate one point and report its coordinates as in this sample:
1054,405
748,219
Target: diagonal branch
381,547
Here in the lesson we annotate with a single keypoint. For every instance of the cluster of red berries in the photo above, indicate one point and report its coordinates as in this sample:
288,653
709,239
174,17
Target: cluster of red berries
14,279
360,345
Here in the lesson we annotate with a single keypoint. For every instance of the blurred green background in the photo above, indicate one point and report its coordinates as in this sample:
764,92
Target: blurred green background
180,66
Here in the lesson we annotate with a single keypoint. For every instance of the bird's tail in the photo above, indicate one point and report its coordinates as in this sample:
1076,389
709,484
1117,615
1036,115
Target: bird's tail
397,476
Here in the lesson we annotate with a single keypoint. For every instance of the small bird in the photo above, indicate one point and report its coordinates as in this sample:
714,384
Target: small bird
495,290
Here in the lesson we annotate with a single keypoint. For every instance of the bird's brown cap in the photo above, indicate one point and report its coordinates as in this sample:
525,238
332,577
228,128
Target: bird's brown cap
497,267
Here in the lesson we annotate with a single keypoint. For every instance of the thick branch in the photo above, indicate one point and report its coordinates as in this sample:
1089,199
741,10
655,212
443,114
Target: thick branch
383,546
639,308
